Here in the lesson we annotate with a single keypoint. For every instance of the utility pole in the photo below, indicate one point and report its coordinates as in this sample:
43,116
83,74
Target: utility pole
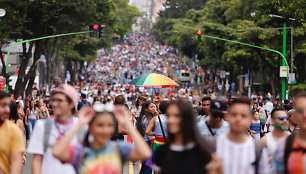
283,62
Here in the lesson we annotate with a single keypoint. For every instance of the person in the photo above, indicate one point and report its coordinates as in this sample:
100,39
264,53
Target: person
20,111
43,112
19,99
292,125
119,130
25,109
148,111
31,117
205,108
290,156
49,131
280,123
185,151
12,150
268,107
215,124
158,124
15,118
137,109
101,155
255,128
238,152
83,102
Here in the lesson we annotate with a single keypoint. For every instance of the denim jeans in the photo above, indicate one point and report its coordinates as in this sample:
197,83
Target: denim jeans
31,124
144,168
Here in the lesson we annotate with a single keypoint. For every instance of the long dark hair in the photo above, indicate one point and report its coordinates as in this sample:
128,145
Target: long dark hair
189,127
86,142
143,114
13,111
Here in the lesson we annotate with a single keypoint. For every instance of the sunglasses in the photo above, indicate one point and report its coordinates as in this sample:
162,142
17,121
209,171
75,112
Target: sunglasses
283,117
104,107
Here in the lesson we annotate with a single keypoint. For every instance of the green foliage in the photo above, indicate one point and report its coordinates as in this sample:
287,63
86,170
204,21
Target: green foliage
231,19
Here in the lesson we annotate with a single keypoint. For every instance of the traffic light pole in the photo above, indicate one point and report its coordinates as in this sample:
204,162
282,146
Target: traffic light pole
284,63
283,55
34,39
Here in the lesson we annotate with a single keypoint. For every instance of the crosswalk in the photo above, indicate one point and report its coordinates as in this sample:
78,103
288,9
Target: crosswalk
131,168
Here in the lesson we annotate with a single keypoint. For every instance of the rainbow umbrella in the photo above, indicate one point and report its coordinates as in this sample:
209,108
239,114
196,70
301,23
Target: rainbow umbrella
153,80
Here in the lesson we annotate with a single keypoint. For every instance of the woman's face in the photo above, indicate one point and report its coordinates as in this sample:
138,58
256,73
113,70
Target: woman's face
256,115
19,105
32,103
174,119
102,128
151,108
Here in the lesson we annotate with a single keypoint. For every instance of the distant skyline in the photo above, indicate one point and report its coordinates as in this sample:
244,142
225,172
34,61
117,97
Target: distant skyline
145,6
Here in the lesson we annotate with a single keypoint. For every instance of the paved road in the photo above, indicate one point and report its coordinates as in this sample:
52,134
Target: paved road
128,168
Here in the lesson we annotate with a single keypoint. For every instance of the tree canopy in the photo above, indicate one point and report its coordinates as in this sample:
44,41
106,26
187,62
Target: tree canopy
231,19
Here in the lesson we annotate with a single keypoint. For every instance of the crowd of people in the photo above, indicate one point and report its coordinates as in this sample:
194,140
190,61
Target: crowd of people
97,125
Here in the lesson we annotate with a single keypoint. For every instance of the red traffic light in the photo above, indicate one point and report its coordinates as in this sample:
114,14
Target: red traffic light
199,32
95,27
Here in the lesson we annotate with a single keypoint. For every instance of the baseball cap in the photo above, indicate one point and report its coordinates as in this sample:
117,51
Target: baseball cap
219,106
291,111
69,91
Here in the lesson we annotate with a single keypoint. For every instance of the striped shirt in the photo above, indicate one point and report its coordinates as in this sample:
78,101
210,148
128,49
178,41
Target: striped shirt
238,158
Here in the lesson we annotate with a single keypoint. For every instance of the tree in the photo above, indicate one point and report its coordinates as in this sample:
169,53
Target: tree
32,19
231,19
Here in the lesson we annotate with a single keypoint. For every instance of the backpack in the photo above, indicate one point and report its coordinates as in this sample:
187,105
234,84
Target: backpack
289,149
48,126
212,147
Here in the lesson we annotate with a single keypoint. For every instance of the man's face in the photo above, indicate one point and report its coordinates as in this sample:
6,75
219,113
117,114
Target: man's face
280,121
60,104
5,108
300,114
206,106
239,117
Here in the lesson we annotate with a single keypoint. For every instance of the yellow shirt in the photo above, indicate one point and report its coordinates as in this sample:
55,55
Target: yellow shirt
11,141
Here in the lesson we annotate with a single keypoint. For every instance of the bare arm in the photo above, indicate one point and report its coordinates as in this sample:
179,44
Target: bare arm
26,116
16,163
36,163
46,110
264,140
60,149
121,130
150,127
37,113
141,150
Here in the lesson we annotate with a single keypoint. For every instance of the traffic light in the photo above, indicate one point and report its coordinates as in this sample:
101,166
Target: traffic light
93,29
199,33
101,27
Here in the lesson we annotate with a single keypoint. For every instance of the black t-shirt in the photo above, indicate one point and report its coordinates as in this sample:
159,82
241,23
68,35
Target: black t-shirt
189,160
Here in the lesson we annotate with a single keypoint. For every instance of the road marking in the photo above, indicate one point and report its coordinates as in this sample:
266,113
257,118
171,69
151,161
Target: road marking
131,168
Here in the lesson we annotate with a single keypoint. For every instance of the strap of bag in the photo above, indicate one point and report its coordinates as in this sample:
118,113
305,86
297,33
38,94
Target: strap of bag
212,133
288,149
162,129
48,124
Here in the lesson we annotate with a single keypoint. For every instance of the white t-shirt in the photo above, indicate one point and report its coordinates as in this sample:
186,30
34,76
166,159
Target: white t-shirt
238,158
50,165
